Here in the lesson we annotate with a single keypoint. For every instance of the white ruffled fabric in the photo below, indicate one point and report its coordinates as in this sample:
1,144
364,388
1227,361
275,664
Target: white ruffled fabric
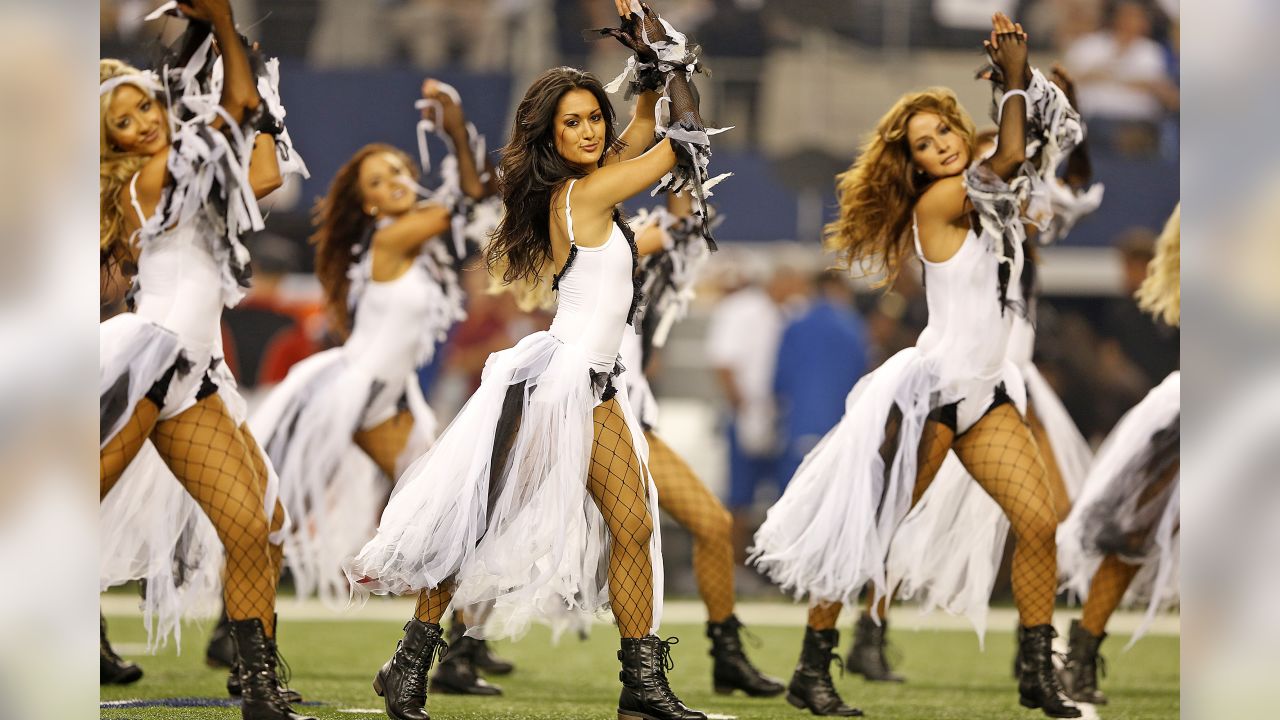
542,552
133,355
1109,504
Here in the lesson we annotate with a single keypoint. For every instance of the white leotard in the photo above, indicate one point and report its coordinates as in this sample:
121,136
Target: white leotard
179,283
967,336
595,294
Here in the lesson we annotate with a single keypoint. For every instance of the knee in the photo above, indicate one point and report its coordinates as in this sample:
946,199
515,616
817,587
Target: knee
635,530
717,527
1036,525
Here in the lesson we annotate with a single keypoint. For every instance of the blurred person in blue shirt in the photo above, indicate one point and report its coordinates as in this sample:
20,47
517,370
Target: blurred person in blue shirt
821,355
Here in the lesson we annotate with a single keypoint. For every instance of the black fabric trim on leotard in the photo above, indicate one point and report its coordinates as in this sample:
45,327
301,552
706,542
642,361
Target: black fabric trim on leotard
568,262
637,279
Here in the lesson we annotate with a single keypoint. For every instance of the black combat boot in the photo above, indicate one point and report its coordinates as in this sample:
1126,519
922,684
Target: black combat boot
487,662
282,669
260,689
456,674
221,652
113,669
402,681
1081,673
811,687
1038,684
731,670
867,656
645,692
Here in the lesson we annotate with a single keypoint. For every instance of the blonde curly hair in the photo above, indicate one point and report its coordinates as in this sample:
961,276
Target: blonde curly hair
1161,293
878,192
115,170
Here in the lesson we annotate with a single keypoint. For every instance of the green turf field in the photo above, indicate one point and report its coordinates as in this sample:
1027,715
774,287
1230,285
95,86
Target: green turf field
334,662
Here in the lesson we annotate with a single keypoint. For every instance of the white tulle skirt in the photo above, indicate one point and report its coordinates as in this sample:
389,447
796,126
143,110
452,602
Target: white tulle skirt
133,354
536,545
1143,444
150,529
306,426
948,550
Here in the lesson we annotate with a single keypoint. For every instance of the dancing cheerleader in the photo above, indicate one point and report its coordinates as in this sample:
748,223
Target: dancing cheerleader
537,496
668,280
949,548
391,291
1123,534
828,536
183,159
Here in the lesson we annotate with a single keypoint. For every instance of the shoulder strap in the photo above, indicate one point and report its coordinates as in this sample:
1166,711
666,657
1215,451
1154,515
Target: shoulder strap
133,198
568,211
915,234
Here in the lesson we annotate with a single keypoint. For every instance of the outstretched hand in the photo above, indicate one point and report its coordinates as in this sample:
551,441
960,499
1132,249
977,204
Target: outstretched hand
207,11
1008,49
638,30
445,107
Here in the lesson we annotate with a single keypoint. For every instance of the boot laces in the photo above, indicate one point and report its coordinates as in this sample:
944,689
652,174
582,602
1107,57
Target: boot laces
416,683
834,657
665,662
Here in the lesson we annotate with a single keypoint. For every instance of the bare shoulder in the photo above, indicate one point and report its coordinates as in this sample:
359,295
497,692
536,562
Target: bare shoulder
943,201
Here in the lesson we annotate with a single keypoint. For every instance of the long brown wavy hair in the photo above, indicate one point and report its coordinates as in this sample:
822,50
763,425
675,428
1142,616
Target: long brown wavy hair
341,223
878,192
530,170
115,169
1161,293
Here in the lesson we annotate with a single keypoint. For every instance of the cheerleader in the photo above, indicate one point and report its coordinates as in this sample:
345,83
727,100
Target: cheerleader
669,277
948,550
537,496
392,293
183,159
829,534
1122,537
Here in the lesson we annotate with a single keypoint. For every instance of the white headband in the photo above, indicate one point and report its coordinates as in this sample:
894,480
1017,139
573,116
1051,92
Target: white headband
145,81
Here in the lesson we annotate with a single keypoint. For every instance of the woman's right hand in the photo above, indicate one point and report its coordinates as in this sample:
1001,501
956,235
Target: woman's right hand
209,11
1008,50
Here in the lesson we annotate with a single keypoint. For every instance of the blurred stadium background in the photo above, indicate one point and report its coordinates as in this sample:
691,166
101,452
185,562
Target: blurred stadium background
801,82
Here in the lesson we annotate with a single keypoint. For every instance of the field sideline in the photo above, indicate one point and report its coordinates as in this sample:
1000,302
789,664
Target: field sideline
333,659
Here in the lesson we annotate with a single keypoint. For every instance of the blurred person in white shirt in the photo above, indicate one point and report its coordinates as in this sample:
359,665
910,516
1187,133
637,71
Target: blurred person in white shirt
742,345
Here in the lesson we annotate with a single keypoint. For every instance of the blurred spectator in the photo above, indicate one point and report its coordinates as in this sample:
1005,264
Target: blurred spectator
895,316
821,355
265,334
1124,84
742,347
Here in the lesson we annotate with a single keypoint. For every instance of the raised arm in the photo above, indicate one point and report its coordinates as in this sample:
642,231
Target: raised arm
454,122
600,191
639,133
239,87
1008,50
405,236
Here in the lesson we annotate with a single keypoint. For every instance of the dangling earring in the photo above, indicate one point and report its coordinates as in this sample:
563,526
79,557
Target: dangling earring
372,211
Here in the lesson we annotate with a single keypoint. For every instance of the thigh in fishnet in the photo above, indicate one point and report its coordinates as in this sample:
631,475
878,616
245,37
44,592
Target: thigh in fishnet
1106,590
1000,453
935,442
384,442
1053,474
120,450
683,497
277,513
203,447
617,484
433,602
824,615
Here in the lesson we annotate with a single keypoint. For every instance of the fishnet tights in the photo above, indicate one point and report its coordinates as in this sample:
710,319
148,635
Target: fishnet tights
683,497
206,451
1111,580
617,483
1057,486
276,551
123,448
824,615
384,442
433,602
1001,454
